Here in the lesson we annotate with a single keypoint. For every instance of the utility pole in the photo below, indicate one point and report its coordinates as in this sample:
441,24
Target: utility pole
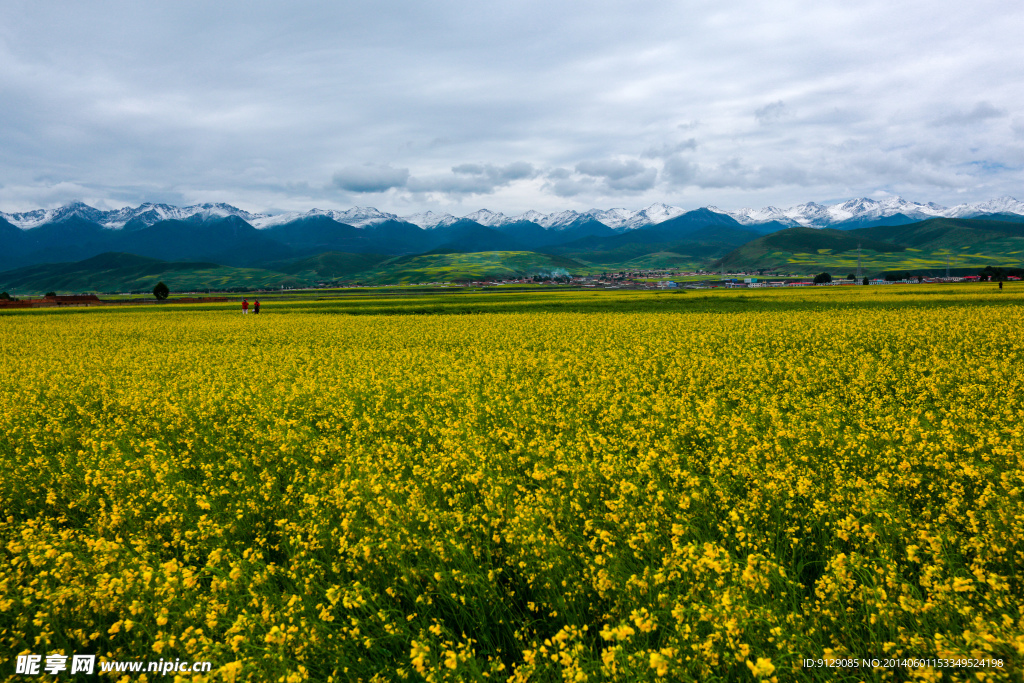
858,262
947,266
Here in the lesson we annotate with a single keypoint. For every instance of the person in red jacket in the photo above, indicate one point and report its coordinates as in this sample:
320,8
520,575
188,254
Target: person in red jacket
256,306
245,306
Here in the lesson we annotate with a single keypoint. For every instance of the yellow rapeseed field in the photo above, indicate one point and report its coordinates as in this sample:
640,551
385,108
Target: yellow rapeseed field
711,494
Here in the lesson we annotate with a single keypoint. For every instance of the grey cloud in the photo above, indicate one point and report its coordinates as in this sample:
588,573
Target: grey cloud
626,176
770,113
933,154
140,195
46,193
571,187
611,169
679,171
517,171
981,112
635,183
904,166
667,149
499,175
371,178
734,173
451,184
473,178
469,169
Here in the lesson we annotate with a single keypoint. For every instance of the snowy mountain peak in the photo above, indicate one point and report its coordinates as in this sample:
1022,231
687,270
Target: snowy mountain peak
613,218
32,219
532,216
488,218
631,220
556,220
747,216
809,214
362,216
357,216
658,213
999,205
147,214
429,219
812,214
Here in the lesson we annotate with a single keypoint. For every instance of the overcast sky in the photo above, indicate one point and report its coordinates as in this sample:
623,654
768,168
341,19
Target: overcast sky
453,106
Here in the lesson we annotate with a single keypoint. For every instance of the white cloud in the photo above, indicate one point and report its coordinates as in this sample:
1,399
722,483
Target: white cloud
532,104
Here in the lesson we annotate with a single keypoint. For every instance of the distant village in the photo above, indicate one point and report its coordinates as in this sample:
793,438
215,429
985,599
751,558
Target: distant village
661,279
636,280
64,300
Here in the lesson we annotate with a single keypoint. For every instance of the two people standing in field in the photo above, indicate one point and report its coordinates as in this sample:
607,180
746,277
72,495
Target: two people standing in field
255,306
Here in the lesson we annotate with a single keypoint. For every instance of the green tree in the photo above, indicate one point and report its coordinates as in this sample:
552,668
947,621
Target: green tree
161,291
5,296
822,278
991,274
50,294
865,280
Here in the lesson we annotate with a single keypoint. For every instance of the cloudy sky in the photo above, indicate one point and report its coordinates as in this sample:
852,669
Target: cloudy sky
453,105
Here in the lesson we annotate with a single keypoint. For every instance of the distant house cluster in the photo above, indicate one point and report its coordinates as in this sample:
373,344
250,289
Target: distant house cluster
57,301
54,301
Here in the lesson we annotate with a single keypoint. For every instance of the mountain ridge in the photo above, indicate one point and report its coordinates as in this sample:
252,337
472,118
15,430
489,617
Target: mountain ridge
231,240
228,252
809,214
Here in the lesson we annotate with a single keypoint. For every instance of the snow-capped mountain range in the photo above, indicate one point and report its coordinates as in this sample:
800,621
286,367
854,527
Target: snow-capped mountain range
809,214
118,218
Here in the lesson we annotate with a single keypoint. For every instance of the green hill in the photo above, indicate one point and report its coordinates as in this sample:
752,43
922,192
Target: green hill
945,233
633,256
451,267
680,245
925,246
777,247
116,272
331,265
